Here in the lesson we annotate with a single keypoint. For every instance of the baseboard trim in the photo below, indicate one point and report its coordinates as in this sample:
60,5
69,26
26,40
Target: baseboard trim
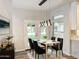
27,49
20,50
66,53
69,56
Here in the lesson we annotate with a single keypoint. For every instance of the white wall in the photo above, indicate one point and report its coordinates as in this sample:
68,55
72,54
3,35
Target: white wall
5,11
73,15
5,8
18,33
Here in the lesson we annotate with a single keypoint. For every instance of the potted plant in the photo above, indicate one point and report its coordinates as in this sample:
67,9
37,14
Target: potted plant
45,37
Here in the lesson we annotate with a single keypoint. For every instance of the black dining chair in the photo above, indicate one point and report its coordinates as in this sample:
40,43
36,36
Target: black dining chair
38,50
31,44
53,38
57,46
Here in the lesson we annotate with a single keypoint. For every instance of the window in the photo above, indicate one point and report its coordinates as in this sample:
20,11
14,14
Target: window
43,32
58,29
31,31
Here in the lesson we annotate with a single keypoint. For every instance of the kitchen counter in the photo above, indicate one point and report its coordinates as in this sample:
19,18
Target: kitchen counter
75,48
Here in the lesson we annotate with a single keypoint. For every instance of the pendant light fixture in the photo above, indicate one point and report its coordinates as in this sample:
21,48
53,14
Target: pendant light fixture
44,23
50,22
47,22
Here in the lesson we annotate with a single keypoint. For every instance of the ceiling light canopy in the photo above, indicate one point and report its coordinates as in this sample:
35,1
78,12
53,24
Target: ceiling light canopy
42,2
58,16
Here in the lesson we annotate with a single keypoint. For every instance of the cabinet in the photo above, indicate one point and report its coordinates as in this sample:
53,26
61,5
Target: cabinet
7,53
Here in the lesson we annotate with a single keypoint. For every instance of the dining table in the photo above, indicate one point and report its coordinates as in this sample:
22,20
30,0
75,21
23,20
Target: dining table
48,43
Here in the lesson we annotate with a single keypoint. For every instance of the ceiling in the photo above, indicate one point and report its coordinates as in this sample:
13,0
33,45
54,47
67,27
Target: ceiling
33,4
29,9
